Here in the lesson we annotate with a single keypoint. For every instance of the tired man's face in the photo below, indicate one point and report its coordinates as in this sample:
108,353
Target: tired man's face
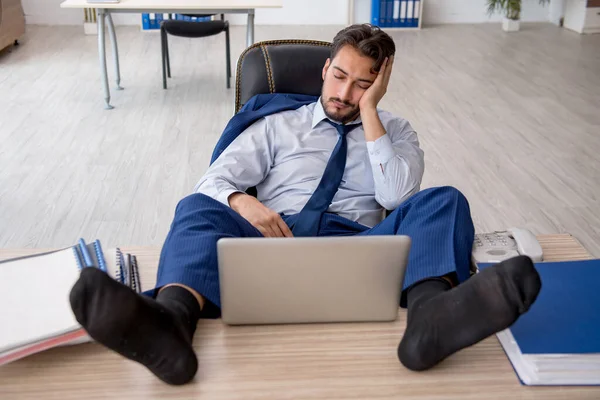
345,80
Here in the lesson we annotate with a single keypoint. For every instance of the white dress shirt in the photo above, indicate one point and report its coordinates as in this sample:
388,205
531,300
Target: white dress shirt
285,154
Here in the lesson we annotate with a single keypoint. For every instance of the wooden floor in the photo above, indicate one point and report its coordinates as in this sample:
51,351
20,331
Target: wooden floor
512,120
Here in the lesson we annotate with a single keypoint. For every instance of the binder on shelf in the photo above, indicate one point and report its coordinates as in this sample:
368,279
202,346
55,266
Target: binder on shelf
376,13
396,13
145,21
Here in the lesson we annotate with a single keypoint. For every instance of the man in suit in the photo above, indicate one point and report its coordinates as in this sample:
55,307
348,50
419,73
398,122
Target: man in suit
326,168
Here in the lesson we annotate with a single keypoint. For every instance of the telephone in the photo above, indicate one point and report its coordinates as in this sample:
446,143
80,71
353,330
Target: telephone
500,245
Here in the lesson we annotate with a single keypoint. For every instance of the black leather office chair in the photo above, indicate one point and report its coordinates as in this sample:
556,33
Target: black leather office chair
280,66
192,29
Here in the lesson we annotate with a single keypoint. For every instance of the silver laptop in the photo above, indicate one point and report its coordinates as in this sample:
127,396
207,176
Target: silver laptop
305,280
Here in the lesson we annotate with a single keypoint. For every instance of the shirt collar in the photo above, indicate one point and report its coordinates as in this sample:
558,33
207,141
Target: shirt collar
319,115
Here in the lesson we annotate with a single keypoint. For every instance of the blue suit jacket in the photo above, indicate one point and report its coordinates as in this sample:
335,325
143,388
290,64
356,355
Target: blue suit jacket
256,108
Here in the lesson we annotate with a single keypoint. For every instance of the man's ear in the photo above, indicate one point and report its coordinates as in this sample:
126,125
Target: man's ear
326,67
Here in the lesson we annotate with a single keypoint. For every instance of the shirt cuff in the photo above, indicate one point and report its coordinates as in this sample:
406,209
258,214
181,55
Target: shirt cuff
223,196
381,150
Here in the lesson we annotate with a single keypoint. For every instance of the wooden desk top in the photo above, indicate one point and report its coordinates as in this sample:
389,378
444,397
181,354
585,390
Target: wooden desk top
321,361
175,4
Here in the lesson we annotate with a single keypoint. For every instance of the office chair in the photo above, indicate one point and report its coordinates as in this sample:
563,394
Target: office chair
192,29
280,66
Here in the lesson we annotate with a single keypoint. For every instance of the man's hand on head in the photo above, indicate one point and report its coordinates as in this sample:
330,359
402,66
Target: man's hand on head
373,95
267,221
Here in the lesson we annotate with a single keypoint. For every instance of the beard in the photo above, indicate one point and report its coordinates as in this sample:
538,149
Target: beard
342,116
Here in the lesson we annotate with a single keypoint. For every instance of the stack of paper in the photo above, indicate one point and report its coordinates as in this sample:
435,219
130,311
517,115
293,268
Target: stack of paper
34,301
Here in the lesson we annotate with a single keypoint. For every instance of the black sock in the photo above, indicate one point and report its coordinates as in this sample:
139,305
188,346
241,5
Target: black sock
182,303
425,290
135,326
443,323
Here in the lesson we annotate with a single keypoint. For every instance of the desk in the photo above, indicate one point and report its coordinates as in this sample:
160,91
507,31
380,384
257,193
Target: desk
320,361
105,10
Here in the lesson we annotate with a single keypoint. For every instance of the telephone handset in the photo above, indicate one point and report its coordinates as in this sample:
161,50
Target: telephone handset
501,245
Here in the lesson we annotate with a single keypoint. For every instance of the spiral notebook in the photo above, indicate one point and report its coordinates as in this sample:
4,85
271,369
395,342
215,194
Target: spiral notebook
34,301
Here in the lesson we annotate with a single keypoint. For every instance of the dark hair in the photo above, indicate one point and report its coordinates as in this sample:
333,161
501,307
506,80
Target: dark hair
368,39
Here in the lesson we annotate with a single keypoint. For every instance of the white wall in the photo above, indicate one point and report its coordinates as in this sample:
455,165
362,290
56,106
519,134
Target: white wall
48,12
575,15
316,12
557,11
475,11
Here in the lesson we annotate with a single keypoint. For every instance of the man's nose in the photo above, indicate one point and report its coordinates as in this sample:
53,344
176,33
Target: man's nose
345,92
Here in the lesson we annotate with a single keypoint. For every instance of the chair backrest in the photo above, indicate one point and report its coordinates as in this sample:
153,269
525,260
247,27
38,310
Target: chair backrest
280,66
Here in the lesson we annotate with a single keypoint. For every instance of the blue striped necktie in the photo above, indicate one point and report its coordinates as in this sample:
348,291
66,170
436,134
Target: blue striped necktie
309,218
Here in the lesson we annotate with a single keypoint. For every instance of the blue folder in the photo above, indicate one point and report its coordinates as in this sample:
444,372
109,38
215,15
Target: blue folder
145,21
375,12
565,318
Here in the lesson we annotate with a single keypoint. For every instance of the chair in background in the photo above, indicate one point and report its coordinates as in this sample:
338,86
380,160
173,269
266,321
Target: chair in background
192,29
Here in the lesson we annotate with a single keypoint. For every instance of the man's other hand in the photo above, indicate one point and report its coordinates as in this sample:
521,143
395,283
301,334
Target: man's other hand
267,221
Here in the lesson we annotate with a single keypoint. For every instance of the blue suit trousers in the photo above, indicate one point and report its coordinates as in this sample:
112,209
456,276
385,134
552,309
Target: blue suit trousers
437,220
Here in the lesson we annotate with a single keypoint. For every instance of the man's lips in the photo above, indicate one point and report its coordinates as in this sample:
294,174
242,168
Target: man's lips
338,104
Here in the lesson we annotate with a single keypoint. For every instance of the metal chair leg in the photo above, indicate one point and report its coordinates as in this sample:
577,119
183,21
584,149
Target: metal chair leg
163,38
168,57
228,61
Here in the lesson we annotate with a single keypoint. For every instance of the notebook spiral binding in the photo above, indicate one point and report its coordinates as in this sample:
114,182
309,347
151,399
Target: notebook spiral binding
123,269
136,276
119,264
78,257
133,279
122,276
100,255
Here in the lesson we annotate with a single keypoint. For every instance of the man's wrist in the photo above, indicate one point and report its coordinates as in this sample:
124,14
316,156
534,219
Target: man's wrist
368,111
235,198
371,124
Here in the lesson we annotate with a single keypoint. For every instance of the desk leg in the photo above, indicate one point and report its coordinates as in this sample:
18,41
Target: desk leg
113,40
250,28
102,56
